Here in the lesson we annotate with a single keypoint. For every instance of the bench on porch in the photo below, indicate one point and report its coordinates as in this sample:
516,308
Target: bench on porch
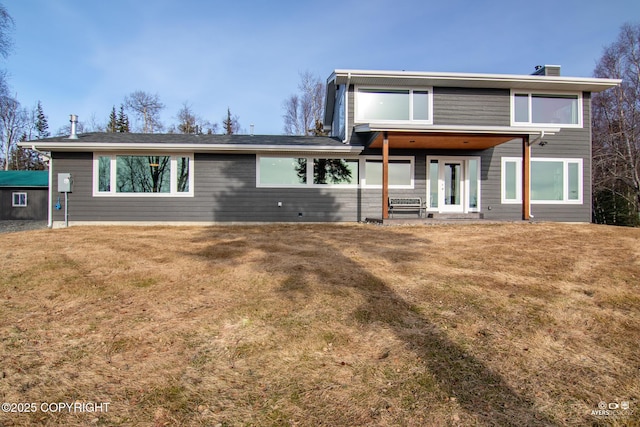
397,204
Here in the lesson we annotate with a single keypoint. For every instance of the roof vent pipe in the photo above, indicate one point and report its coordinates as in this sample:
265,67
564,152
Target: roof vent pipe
74,126
251,129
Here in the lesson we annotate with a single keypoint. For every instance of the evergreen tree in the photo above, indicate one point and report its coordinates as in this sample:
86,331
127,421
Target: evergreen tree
122,123
112,126
230,124
42,125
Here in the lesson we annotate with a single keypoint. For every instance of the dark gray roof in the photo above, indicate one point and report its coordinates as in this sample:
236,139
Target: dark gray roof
177,138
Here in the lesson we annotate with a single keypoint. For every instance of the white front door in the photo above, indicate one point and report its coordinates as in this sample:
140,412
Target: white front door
453,184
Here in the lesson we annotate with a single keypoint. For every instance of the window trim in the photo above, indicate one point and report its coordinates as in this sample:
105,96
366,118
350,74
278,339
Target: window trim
310,159
429,89
529,93
173,174
13,199
565,181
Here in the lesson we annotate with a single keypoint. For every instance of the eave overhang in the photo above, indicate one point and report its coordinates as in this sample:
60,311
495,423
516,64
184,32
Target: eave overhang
74,146
449,137
471,80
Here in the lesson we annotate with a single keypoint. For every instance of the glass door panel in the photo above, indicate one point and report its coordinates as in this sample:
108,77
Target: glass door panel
451,194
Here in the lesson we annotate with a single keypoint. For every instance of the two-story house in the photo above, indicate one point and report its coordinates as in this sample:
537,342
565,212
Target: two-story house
494,146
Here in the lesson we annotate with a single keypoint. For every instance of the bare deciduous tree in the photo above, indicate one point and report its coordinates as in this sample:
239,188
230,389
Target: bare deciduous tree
303,111
146,107
189,122
6,25
616,132
13,120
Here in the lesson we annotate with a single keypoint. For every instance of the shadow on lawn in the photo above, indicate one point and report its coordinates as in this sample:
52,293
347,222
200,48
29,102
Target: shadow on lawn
482,393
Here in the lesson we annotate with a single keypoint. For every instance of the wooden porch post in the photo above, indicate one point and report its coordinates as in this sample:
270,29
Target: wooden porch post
385,176
526,178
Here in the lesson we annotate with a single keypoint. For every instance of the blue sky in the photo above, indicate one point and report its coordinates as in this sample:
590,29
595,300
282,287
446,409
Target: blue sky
84,57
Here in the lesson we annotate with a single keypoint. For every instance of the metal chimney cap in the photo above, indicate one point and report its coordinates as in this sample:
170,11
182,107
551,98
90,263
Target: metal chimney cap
74,122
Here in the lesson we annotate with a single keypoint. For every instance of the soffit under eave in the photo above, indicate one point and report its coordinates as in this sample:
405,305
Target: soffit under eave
441,141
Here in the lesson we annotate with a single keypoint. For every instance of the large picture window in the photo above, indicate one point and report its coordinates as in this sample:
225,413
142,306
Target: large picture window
134,174
381,105
306,171
546,109
552,180
275,171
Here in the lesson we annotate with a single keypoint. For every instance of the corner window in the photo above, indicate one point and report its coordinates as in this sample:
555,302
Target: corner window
143,175
19,200
338,127
552,181
306,171
381,105
563,110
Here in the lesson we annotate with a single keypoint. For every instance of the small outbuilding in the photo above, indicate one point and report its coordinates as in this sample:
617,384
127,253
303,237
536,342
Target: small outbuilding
24,195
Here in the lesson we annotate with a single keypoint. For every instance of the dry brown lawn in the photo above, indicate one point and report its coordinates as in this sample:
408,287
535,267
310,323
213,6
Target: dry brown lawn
334,325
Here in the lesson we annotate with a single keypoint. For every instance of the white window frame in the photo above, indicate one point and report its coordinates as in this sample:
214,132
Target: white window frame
529,122
503,180
429,89
565,181
19,194
309,176
173,192
363,171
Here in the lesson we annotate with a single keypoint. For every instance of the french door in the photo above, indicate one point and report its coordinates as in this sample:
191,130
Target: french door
453,184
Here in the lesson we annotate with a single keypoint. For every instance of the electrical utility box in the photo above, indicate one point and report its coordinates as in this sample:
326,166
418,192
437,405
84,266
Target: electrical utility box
65,183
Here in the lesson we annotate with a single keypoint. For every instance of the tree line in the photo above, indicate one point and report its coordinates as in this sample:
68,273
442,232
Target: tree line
616,133
145,108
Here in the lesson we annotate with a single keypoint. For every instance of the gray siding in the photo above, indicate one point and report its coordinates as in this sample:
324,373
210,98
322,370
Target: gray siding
463,106
224,190
36,209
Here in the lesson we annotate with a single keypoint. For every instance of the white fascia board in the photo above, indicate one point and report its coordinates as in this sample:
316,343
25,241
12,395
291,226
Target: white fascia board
498,81
176,148
524,130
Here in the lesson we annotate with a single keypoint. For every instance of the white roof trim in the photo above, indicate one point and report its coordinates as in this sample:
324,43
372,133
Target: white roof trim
517,81
507,130
200,148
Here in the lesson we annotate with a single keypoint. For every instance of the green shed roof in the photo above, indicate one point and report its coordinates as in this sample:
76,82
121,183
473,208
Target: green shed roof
24,178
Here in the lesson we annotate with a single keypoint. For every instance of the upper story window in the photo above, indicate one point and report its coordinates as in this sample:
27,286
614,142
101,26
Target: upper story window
386,104
553,109
137,175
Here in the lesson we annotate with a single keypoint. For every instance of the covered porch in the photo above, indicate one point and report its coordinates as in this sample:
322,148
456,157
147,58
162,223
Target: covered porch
449,196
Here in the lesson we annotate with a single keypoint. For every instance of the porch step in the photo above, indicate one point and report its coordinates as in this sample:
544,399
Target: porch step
455,216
